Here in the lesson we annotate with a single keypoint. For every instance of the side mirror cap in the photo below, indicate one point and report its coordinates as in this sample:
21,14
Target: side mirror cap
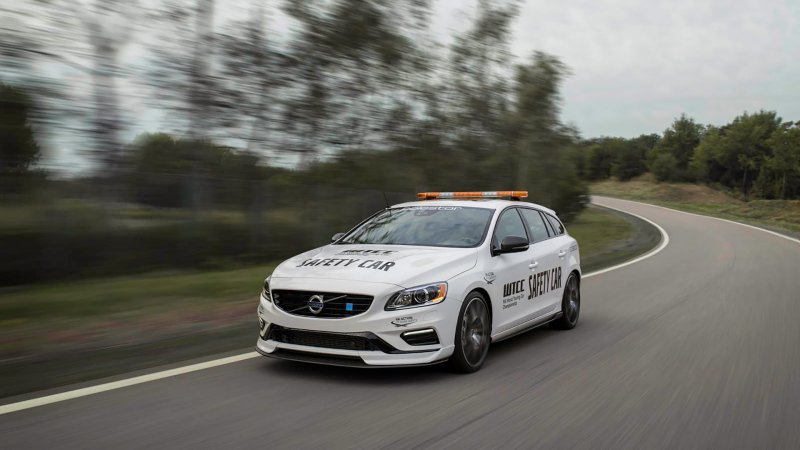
513,244
337,236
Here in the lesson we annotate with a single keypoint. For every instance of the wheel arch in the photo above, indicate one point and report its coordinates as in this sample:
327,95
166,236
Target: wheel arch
577,275
488,298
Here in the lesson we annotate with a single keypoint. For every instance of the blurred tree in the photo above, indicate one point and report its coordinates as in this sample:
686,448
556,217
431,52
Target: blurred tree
47,44
478,90
535,119
258,70
200,87
600,160
189,83
160,165
18,147
351,62
109,27
184,74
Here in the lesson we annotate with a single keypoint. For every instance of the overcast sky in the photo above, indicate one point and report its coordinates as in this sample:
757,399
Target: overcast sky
636,64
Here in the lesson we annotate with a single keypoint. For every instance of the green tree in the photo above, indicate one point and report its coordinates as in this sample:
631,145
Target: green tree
705,164
679,140
629,158
664,167
600,160
785,160
733,154
747,145
18,147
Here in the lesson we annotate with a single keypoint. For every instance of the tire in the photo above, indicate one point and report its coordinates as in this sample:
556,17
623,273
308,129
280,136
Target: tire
570,304
473,335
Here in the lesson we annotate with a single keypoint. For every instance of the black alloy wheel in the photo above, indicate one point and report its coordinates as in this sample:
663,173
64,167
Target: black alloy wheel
570,304
473,335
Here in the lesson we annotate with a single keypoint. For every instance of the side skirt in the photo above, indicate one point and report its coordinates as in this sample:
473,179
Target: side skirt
527,326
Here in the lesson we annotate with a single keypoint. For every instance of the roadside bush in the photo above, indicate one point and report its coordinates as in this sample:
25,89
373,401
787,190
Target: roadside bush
665,167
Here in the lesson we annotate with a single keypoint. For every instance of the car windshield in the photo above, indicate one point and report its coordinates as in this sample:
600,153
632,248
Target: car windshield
434,226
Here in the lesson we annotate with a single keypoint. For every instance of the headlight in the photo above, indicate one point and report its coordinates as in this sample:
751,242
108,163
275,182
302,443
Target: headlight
265,294
429,294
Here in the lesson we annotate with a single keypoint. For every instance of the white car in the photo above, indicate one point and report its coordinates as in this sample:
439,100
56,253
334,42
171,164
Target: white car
423,282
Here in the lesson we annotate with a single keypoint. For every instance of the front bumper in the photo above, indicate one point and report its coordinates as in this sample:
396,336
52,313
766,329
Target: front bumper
347,358
371,339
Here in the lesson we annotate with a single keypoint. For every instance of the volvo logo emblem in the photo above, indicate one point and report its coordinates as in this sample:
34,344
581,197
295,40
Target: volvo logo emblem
315,304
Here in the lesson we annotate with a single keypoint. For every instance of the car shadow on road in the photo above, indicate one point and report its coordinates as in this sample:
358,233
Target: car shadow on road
355,375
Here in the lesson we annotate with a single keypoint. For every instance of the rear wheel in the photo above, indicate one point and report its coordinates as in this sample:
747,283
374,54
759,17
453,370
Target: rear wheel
570,304
472,335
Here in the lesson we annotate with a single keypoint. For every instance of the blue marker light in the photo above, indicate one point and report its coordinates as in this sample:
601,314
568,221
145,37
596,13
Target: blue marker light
348,306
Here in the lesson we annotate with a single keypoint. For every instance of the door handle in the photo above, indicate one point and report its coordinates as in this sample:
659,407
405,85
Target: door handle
533,265
561,254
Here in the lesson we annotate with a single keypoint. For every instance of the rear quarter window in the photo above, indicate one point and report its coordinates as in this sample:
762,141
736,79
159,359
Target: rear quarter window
556,224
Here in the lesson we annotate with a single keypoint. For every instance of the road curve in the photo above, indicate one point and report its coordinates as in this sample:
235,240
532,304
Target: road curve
695,347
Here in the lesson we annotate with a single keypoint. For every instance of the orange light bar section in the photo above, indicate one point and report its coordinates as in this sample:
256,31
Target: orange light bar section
467,195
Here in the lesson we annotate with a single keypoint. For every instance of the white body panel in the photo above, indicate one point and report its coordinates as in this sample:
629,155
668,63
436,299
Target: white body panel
381,271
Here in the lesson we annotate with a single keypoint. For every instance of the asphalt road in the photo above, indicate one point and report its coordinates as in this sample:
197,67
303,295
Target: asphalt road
696,347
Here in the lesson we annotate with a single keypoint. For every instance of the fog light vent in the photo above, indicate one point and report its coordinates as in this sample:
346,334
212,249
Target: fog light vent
427,336
263,329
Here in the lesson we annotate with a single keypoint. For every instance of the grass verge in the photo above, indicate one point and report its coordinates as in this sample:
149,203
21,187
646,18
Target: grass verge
608,237
64,333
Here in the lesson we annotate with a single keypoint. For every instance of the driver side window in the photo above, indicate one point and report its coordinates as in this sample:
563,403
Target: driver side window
509,224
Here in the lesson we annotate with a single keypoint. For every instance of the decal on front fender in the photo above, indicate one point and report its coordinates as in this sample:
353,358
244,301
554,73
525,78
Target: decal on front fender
404,321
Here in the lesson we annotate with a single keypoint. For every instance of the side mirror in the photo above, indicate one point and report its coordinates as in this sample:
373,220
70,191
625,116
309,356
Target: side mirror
337,236
513,244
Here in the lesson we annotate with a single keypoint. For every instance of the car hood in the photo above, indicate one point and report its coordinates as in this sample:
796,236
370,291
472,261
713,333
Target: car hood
402,265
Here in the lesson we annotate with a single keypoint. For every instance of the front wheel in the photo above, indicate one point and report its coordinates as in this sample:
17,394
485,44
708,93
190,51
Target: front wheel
570,304
472,335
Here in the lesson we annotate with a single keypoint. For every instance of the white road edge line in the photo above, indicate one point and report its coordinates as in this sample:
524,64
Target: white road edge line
662,245
69,395
83,392
774,233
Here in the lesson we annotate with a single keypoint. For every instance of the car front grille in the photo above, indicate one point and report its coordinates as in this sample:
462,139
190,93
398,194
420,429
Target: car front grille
339,341
336,305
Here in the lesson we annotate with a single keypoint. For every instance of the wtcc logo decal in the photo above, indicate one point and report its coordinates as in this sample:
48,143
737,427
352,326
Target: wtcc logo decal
512,292
366,252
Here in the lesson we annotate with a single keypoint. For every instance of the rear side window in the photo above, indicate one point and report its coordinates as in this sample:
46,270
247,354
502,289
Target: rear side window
559,229
537,230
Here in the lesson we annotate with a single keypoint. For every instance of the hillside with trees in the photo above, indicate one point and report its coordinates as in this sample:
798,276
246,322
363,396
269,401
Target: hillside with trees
756,155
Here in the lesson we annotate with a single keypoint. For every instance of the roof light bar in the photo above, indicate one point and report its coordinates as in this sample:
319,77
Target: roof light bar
467,195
